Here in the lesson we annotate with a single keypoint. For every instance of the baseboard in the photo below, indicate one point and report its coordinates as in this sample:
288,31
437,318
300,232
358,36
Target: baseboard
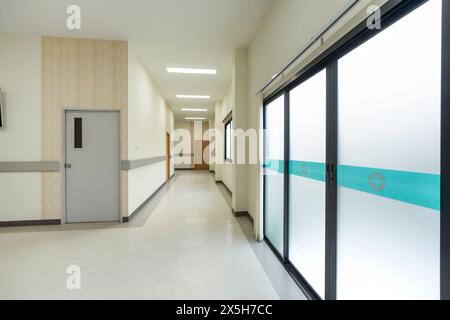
226,187
30,223
143,204
243,214
182,169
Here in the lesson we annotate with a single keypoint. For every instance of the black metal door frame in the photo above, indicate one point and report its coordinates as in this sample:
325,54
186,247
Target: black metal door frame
391,12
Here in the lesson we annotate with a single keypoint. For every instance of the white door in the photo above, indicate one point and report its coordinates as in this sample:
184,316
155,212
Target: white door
92,166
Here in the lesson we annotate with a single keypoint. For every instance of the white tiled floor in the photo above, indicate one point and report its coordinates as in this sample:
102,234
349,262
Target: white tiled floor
185,244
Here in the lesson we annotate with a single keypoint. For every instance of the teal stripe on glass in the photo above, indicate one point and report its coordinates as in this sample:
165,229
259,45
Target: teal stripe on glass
420,189
310,170
274,165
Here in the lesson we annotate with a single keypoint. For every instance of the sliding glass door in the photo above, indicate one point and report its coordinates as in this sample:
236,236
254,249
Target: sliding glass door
274,173
352,185
307,137
388,236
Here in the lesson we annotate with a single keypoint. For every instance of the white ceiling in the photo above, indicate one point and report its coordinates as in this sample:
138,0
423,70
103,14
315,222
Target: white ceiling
178,33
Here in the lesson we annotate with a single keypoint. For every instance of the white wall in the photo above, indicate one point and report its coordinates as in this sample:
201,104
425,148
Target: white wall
285,29
20,78
212,152
146,132
226,169
149,118
219,145
240,121
170,127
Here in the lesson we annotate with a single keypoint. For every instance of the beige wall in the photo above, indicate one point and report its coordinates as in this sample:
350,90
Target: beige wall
79,74
225,168
44,76
218,126
149,119
20,80
240,121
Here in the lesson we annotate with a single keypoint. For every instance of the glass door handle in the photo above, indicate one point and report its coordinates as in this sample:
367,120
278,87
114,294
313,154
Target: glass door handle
331,173
67,165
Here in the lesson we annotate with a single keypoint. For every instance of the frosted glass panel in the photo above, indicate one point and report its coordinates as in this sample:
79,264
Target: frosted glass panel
389,162
273,173
307,180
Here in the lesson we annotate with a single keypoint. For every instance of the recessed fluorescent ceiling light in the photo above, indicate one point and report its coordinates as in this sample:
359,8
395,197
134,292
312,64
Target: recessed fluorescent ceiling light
188,96
191,118
194,110
191,71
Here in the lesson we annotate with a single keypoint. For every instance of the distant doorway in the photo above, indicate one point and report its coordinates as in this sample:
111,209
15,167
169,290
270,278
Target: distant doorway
202,157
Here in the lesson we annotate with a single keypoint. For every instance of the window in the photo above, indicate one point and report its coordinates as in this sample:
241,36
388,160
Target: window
388,186
352,162
78,133
229,140
307,180
274,174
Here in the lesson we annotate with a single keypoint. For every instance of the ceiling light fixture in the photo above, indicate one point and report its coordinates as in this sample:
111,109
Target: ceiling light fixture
191,118
188,96
194,110
191,71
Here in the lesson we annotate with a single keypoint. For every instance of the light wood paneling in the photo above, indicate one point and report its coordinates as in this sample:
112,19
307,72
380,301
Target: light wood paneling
205,128
80,74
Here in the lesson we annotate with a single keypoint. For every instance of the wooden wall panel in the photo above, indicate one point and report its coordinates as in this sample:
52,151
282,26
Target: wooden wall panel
80,74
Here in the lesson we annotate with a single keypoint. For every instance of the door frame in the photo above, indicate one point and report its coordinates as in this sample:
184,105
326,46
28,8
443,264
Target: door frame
204,166
64,112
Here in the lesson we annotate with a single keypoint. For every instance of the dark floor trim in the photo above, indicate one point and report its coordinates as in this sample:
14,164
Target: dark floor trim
138,209
301,282
30,223
274,250
243,214
184,169
304,286
226,187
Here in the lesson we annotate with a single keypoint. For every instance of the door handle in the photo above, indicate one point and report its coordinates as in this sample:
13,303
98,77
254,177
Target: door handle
67,165
331,173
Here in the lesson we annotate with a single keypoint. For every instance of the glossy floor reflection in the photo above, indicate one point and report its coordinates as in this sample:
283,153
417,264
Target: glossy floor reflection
185,244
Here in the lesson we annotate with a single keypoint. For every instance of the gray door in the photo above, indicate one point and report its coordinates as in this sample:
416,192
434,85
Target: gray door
92,166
